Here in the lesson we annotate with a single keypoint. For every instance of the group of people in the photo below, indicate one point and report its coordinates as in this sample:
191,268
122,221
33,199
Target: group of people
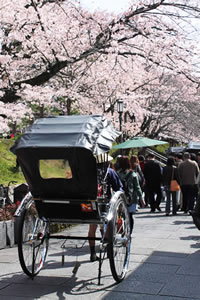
186,171
114,179
184,168
147,179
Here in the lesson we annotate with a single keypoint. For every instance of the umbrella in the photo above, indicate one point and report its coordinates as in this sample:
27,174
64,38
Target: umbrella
139,142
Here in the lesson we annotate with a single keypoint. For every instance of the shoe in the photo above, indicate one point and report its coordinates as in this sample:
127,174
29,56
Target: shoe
174,214
94,257
158,208
152,210
167,214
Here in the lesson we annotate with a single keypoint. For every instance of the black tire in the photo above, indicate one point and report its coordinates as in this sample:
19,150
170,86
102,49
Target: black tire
32,241
119,239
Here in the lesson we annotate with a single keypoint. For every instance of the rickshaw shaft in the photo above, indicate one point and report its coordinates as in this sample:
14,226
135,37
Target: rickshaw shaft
75,237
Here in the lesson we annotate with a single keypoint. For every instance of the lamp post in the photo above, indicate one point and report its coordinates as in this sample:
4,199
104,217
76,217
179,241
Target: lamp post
120,107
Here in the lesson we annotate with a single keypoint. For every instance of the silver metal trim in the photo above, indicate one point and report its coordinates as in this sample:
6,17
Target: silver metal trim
56,201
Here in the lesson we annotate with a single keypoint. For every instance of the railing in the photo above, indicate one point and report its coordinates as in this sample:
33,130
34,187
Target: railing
161,158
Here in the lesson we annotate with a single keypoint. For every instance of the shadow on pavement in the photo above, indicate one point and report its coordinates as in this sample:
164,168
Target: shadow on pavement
160,269
162,274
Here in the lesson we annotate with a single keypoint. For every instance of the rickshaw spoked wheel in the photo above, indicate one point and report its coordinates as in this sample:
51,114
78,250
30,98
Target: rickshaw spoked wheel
32,241
119,240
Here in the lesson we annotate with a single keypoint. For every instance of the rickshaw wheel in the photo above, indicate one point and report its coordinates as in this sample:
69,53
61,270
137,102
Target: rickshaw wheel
32,241
119,240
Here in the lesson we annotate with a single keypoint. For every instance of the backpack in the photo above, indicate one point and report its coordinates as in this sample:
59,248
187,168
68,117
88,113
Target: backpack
126,188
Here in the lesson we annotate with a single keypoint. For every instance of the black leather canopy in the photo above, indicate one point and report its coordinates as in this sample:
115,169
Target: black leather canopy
73,138
92,132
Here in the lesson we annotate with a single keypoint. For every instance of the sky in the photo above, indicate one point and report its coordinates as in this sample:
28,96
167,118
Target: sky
116,6
119,6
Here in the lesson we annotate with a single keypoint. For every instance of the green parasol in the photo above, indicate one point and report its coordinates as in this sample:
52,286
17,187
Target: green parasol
139,142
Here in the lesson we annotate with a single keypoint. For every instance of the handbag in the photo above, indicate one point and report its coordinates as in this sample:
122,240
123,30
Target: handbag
174,186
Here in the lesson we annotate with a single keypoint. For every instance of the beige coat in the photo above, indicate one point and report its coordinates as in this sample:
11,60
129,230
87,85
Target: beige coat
188,171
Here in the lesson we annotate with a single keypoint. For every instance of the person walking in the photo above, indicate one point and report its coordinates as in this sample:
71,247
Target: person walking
141,162
170,172
126,173
198,159
188,172
113,184
136,168
178,160
153,180
117,163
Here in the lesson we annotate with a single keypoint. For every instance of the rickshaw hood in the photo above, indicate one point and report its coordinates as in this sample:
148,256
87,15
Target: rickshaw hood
92,132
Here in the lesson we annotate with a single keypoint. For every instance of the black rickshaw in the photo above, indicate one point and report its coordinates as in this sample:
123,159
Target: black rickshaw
71,144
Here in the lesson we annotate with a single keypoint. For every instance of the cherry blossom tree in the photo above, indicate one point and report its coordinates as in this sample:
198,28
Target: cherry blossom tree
57,56
170,112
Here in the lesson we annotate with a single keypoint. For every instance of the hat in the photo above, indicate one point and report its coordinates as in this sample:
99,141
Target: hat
105,157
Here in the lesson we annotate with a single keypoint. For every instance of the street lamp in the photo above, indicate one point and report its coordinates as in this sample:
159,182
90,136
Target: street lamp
120,107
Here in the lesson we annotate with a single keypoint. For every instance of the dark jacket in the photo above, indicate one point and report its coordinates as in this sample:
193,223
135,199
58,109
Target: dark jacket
152,173
112,179
167,175
113,182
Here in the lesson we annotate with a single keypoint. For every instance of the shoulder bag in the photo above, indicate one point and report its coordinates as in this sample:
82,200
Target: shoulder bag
174,186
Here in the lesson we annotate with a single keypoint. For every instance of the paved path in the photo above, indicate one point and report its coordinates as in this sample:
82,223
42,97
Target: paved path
164,265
